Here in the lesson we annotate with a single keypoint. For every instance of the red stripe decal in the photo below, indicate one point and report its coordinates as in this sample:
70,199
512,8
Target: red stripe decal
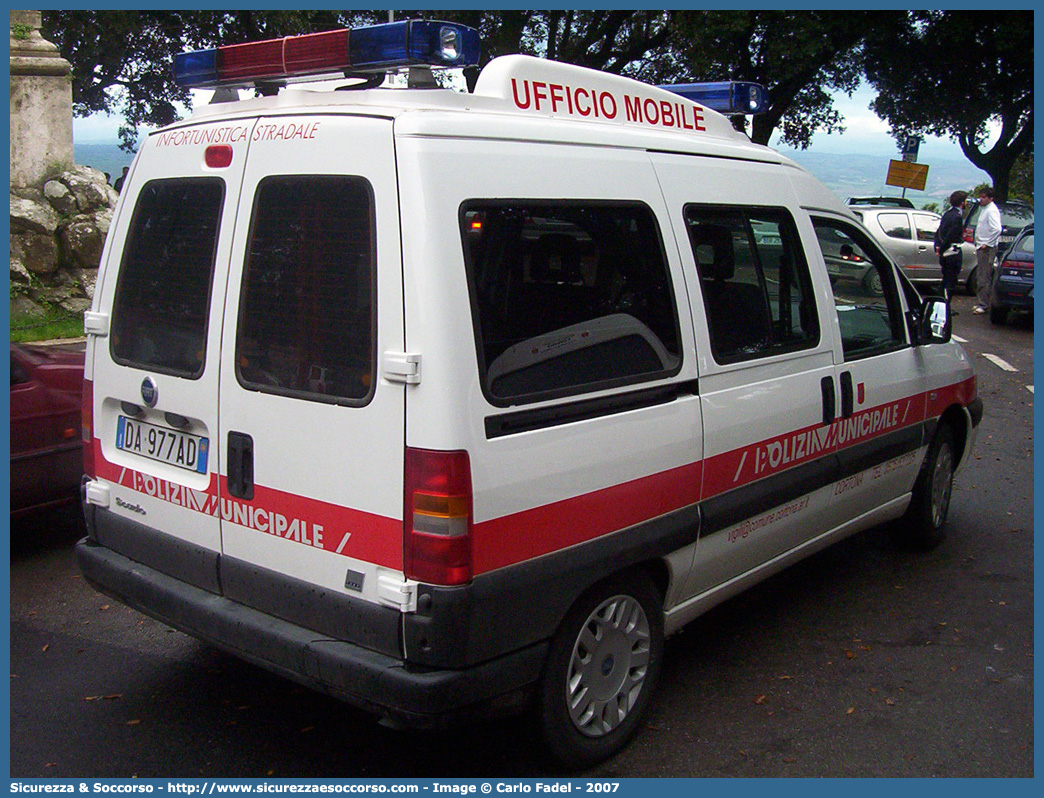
542,530
552,527
302,520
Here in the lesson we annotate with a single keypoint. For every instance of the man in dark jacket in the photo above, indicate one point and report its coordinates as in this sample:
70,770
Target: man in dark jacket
948,240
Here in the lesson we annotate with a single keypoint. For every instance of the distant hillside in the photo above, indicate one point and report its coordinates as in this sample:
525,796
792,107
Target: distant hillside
864,176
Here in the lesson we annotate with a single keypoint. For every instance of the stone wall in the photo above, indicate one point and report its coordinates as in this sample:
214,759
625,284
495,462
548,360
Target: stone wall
58,229
60,213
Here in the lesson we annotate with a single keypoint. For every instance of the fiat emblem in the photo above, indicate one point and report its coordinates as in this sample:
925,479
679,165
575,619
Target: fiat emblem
149,391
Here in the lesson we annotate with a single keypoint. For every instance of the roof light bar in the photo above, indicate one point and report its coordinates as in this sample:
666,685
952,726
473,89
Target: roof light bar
728,97
358,51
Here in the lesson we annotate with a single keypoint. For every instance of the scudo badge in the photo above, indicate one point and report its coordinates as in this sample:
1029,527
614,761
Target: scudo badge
149,391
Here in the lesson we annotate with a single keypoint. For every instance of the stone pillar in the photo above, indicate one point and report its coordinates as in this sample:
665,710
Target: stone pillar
41,103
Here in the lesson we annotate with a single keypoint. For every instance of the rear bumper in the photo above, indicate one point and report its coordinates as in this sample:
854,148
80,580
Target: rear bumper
376,682
1013,294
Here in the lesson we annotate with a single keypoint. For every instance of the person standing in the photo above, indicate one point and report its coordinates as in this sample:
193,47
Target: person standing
948,240
987,235
119,180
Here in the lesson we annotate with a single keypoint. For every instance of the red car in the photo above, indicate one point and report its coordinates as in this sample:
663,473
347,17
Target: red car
46,450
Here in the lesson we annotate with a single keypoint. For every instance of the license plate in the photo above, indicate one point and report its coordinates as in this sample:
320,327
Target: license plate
170,446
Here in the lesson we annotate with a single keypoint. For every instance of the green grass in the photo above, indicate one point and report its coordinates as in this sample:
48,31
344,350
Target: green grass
50,324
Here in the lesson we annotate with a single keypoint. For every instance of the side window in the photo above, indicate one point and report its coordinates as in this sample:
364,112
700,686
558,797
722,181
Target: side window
866,297
162,302
754,279
567,297
307,308
926,226
895,225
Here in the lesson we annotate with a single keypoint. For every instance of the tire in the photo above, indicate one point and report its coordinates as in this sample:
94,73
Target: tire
998,314
601,669
872,283
924,525
972,285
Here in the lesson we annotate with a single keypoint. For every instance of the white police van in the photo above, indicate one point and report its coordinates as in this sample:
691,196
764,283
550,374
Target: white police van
450,403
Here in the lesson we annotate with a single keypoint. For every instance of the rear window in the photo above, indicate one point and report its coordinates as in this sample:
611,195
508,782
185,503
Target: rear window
308,308
162,303
895,225
567,297
1017,216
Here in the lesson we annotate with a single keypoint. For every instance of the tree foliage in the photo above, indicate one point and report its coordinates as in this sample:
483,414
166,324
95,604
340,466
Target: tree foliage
956,73
800,56
121,60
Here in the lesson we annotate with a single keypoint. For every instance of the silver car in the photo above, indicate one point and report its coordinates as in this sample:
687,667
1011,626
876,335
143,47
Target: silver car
908,235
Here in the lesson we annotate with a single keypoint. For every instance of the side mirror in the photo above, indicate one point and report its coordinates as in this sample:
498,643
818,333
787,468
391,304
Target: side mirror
935,323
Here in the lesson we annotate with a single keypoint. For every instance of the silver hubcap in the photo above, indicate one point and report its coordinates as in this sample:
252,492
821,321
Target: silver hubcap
942,484
608,666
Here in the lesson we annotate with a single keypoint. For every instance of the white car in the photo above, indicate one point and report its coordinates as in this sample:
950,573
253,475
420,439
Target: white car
909,237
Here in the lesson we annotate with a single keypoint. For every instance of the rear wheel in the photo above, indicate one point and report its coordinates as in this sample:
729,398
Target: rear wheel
998,314
601,670
923,526
872,283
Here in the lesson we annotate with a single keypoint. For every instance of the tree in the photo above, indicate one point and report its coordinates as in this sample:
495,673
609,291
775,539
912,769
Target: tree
1022,179
956,73
610,41
799,56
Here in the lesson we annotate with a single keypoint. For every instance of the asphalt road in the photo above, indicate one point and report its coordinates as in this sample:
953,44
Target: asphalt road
861,661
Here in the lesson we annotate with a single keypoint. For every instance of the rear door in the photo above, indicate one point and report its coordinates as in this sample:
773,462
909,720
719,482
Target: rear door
312,437
156,371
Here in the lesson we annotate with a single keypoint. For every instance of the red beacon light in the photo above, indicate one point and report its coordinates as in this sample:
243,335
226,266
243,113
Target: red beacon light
360,51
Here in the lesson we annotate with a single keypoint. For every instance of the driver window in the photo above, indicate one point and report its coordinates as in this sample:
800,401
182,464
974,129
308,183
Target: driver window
866,297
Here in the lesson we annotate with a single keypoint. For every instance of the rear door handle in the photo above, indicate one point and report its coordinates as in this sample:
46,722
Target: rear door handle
826,385
241,465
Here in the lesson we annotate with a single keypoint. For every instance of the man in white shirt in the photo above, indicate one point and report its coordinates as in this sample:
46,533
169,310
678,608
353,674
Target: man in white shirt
987,234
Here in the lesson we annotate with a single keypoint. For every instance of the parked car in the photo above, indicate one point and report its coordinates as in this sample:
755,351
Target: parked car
1013,279
846,262
1015,215
46,450
909,237
896,202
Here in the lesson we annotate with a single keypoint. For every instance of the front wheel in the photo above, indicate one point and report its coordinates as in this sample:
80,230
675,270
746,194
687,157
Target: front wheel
601,669
923,526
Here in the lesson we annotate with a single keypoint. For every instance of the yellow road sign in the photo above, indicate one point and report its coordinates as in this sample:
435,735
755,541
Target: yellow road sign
907,175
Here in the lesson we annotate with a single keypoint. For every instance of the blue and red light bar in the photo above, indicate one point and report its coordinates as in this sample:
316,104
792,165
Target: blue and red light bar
727,97
366,50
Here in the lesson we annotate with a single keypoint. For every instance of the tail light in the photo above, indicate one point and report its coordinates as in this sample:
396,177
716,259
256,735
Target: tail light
87,427
437,516
969,235
1016,268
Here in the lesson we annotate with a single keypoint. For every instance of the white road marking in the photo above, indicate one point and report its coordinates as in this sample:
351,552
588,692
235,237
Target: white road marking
958,339
1030,389
1000,362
